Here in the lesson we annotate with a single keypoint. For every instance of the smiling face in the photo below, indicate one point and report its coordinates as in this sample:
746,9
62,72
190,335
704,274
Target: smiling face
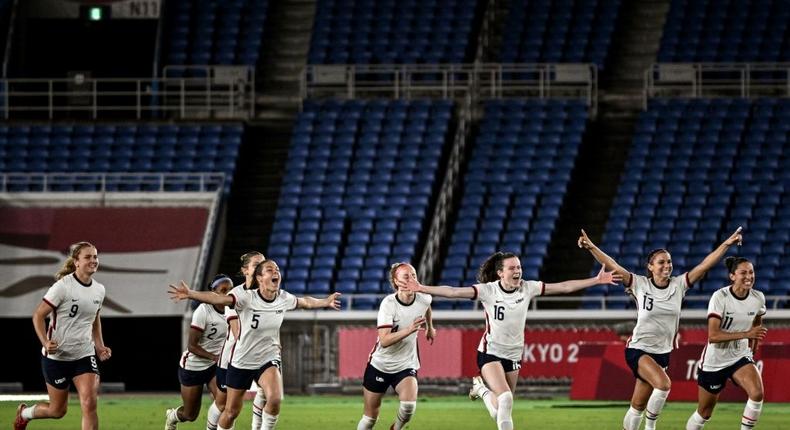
403,274
268,276
743,276
510,273
86,262
660,265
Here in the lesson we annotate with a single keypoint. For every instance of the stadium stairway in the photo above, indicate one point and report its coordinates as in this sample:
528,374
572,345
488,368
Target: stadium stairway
605,147
286,46
253,200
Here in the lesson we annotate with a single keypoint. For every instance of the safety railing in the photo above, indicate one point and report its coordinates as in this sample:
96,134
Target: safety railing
111,182
222,96
695,80
485,81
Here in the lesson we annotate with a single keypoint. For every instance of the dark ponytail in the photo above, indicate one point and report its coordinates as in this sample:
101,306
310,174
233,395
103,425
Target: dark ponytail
732,263
488,270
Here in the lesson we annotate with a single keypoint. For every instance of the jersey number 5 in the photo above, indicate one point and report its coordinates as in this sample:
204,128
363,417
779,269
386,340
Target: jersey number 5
499,313
255,320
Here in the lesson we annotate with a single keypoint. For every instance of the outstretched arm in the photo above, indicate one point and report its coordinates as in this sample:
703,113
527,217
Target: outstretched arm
708,262
440,291
331,301
607,261
183,292
568,287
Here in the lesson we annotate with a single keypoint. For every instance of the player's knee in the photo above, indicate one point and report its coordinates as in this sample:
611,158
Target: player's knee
58,411
505,401
232,411
273,405
639,405
665,385
407,409
756,395
189,414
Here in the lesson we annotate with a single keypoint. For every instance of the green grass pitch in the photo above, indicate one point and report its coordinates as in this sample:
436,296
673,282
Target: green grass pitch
433,413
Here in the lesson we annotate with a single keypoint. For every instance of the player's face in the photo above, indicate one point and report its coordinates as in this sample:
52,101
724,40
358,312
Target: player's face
661,265
405,273
87,261
270,276
249,269
510,274
743,277
223,288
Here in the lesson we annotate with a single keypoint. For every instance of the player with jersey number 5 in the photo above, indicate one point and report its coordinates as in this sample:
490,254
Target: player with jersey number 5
198,364
395,360
505,298
659,297
257,354
72,342
735,317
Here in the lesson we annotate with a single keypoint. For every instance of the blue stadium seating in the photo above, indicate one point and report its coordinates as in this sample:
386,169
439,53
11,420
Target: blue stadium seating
726,31
214,32
359,179
120,148
550,31
696,171
514,187
393,31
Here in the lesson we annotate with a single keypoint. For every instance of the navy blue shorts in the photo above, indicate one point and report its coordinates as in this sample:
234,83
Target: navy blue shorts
221,375
632,356
241,379
508,365
714,382
190,378
59,373
377,381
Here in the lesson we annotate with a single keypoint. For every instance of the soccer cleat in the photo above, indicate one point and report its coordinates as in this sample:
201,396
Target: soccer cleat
171,420
477,384
20,423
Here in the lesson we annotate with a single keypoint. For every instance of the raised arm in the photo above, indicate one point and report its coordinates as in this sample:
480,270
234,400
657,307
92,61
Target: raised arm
708,262
387,337
331,301
717,335
183,292
440,291
568,287
600,256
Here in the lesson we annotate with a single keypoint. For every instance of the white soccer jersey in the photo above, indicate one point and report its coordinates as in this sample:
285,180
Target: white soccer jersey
397,316
658,313
506,316
736,315
74,309
259,323
212,324
230,340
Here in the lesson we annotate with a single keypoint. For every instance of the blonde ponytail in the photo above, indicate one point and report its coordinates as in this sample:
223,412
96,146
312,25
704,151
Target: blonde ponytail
69,265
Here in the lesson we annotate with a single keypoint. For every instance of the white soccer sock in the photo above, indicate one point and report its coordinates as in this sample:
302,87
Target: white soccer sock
654,406
213,417
695,422
632,419
27,413
405,412
257,409
366,423
751,413
504,418
488,400
269,421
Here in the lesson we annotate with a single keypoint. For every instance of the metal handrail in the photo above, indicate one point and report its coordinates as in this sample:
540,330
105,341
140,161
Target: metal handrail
111,182
695,80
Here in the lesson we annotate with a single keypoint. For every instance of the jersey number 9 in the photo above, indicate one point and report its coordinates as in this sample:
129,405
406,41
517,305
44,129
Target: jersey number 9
74,310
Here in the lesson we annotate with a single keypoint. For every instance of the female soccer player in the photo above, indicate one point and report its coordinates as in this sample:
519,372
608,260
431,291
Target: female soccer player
198,364
659,297
735,315
249,261
505,298
395,361
73,341
257,353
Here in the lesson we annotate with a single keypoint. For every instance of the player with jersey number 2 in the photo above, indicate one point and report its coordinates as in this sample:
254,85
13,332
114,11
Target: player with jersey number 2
659,297
505,298
73,341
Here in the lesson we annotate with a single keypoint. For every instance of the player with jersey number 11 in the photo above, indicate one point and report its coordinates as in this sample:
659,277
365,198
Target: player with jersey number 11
505,298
